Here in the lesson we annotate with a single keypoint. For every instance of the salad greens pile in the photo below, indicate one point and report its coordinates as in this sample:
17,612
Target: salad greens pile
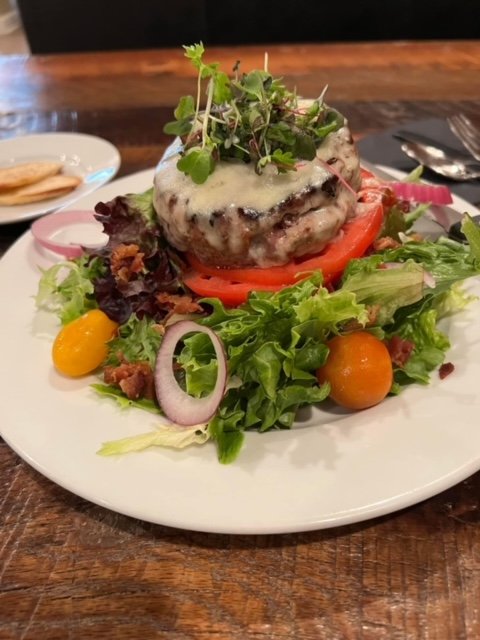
72,287
252,117
275,342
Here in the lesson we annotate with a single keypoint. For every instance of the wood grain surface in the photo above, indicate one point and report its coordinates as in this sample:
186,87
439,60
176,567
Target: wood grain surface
70,569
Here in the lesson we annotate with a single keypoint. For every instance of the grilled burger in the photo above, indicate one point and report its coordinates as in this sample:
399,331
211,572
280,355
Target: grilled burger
238,218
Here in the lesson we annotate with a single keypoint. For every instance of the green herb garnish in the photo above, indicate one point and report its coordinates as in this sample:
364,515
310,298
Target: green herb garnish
251,117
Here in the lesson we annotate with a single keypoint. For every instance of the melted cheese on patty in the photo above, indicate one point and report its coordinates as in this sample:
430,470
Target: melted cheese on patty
238,212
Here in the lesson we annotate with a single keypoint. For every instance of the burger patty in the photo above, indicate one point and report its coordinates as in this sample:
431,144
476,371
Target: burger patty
238,218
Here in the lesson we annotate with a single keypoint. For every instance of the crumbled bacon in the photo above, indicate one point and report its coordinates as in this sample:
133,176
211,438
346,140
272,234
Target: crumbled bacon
126,260
354,325
400,350
181,304
372,310
446,369
380,244
135,379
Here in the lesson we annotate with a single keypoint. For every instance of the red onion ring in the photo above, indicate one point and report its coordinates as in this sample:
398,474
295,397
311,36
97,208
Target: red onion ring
177,405
43,228
422,193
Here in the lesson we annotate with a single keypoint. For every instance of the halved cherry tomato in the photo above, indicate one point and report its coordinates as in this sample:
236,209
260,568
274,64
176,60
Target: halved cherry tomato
80,347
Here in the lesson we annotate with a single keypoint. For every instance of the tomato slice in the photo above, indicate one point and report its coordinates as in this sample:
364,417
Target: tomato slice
229,292
270,276
232,286
354,239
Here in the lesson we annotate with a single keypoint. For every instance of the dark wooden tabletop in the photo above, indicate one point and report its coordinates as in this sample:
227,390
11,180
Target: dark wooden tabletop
70,569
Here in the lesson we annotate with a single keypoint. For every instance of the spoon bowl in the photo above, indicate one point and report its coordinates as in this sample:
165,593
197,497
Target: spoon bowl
439,162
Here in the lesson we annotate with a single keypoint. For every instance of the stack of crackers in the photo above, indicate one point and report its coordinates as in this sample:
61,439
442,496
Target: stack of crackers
34,182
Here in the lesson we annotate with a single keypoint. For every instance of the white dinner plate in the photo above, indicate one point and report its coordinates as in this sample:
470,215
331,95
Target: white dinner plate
333,468
94,160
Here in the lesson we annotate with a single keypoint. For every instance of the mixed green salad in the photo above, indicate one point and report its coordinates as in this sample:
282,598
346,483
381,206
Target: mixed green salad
275,342
221,352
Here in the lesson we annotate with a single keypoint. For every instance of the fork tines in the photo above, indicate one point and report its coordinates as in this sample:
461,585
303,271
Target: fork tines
466,132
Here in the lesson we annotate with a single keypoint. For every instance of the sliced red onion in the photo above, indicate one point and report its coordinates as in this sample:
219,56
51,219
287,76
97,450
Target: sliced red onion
415,192
45,228
177,405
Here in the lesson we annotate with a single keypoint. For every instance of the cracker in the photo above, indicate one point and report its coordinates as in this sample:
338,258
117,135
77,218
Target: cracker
51,187
26,173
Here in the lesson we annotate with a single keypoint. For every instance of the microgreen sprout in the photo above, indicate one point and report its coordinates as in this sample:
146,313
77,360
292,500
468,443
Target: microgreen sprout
251,117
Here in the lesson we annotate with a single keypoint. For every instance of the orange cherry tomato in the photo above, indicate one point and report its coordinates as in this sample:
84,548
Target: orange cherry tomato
81,347
359,370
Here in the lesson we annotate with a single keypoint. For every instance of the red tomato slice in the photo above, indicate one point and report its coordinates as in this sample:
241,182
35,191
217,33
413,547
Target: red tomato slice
232,286
229,292
356,237
271,276
353,240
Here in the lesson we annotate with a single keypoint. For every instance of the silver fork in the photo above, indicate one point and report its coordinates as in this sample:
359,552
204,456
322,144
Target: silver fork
466,132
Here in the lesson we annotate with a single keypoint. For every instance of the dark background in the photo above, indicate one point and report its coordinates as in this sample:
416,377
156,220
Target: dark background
84,25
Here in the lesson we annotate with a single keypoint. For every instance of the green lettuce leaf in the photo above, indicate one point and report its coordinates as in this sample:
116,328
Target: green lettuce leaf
472,233
446,260
138,340
165,435
274,343
66,289
389,289
420,327
110,391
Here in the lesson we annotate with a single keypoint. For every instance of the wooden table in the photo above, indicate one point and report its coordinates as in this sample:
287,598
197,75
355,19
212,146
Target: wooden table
70,569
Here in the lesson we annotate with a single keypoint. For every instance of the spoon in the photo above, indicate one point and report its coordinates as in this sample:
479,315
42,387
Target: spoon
438,161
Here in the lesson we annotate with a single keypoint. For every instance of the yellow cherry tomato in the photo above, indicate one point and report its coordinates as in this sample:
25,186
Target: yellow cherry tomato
81,347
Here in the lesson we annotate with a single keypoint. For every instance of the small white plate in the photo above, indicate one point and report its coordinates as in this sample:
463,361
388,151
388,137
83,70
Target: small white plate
94,160
333,468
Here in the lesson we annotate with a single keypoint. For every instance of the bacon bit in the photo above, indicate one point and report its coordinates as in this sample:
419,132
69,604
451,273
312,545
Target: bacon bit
446,369
159,328
373,310
352,325
367,196
380,244
355,325
135,379
181,304
416,237
400,350
374,190
126,260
